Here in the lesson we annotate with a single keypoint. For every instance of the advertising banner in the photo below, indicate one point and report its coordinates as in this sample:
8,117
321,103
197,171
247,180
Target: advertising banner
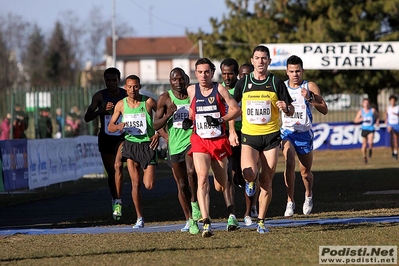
345,135
15,164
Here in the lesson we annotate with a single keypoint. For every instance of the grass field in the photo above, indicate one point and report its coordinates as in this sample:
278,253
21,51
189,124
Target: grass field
341,180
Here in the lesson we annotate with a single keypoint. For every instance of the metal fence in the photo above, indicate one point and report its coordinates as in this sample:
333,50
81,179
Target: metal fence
342,107
33,99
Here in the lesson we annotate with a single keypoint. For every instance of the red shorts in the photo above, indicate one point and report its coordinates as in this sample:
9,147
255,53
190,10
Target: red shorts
217,148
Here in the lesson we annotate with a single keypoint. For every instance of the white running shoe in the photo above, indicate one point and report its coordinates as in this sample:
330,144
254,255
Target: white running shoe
289,210
247,221
139,223
308,205
186,227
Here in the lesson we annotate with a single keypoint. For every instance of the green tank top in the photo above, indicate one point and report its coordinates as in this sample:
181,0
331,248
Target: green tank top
237,123
179,139
139,126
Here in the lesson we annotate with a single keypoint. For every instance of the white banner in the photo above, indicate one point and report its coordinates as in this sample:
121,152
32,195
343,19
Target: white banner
38,163
88,158
52,161
337,56
60,153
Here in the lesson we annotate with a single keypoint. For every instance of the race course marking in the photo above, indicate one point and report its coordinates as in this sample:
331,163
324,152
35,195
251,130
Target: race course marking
215,226
382,192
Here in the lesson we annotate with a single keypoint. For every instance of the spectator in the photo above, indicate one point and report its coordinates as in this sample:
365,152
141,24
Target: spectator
5,127
72,125
44,126
59,120
20,123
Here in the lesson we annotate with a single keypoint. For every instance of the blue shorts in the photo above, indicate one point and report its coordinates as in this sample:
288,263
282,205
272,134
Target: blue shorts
395,128
302,141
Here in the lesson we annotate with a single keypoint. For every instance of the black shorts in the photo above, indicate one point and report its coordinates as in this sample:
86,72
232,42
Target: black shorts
109,144
237,149
180,157
235,163
365,133
262,142
140,153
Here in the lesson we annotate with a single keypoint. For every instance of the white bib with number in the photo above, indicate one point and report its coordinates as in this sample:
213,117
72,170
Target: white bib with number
136,124
258,112
205,131
180,114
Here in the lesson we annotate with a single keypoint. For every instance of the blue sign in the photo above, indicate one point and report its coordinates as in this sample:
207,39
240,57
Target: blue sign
14,160
345,135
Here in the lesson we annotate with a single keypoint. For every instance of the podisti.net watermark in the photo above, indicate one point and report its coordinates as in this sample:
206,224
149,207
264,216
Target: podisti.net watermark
358,254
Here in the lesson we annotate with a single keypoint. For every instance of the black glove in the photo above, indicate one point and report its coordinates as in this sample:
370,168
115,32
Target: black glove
187,123
213,121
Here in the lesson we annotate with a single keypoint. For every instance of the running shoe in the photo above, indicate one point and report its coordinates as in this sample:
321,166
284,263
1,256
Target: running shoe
207,231
117,214
370,153
139,223
196,212
186,227
308,205
250,188
193,227
261,229
254,212
365,160
247,221
395,156
289,209
232,223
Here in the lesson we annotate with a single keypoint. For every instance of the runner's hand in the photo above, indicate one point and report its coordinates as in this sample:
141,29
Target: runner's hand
154,141
213,121
187,123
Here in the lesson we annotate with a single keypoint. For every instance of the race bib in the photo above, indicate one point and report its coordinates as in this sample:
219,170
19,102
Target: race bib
367,121
205,131
258,112
180,114
107,119
135,124
299,116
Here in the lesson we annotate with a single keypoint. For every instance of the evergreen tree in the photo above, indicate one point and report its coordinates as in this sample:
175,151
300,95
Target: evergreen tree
58,59
33,58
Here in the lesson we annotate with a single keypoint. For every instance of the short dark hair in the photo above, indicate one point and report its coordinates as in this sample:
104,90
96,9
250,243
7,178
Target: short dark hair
133,77
230,62
248,65
261,48
393,97
205,61
177,69
112,70
294,60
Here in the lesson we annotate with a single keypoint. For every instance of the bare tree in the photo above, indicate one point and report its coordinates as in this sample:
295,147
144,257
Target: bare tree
74,34
13,31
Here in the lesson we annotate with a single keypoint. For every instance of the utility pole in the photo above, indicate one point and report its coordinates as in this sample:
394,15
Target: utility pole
113,34
200,48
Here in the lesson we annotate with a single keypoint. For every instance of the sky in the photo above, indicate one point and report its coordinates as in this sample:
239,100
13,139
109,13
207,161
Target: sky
154,18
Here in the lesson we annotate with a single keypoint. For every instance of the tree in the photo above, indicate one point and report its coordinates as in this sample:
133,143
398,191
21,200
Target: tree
98,29
13,32
299,21
33,58
74,31
58,59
